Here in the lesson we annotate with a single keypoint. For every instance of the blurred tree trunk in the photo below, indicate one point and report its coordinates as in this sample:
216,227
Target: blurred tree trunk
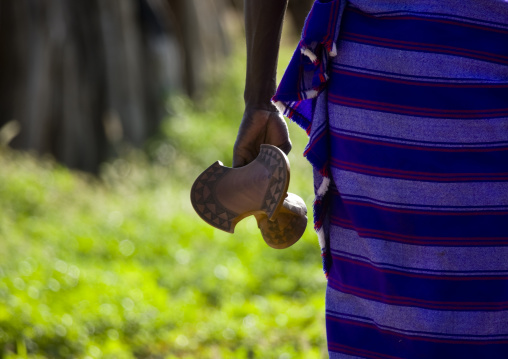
81,76
203,39
297,9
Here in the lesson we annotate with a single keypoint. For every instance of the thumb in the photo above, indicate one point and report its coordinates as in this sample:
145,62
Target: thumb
238,161
243,155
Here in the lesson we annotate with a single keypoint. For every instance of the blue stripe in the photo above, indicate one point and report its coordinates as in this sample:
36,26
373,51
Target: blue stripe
435,79
411,289
359,318
460,19
421,206
420,270
317,150
484,44
482,229
469,164
370,342
458,102
401,212
447,144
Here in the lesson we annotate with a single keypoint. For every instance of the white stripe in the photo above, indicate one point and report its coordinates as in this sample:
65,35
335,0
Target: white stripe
323,187
431,80
334,355
477,10
310,94
426,193
321,238
406,141
418,128
424,12
405,269
440,260
457,324
429,64
333,53
416,207
309,54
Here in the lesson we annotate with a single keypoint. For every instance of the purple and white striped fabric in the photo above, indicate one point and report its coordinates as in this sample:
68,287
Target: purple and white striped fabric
406,107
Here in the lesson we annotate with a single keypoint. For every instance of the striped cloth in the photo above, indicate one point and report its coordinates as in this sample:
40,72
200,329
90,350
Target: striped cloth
406,107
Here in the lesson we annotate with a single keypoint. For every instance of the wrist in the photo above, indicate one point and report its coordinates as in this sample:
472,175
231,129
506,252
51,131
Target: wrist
259,92
260,106
251,107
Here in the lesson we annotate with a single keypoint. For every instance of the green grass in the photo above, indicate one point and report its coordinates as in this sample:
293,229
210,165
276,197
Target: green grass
120,266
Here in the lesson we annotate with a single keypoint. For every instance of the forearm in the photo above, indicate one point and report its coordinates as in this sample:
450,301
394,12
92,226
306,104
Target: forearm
263,27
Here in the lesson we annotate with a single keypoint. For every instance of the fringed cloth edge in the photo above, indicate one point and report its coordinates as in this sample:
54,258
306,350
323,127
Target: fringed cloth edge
297,98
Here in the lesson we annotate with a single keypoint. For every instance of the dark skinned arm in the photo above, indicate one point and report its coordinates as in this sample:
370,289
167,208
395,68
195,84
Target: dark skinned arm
261,122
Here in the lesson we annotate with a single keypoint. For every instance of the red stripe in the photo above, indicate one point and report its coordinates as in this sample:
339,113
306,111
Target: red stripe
415,147
421,46
309,148
333,16
414,337
418,83
399,300
414,275
299,95
428,19
437,177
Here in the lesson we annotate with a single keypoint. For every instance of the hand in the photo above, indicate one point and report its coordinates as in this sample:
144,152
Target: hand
259,127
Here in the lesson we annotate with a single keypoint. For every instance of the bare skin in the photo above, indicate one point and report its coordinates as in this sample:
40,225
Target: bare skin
258,127
261,122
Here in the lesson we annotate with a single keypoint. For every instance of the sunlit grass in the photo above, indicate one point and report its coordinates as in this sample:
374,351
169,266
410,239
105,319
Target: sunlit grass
121,267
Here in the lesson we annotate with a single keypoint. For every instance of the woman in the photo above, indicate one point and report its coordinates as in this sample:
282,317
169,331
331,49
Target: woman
406,107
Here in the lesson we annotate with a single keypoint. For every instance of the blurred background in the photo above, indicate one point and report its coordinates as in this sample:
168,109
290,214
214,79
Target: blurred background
109,109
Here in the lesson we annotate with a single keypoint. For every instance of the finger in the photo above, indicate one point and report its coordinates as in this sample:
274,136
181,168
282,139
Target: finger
278,134
286,147
242,156
238,161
